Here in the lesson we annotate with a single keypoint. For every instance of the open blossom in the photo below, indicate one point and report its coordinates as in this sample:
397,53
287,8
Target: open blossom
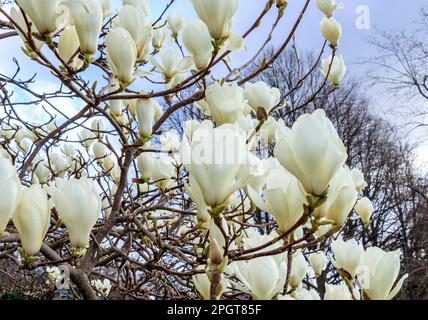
334,69
262,277
213,159
136,22
328,7
283,197
381,270
226,102
260,95
347,256
171,63
103,287
311,150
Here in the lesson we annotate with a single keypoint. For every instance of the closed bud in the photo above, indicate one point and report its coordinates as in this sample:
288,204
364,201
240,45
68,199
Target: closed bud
364,209
32,218
10,190
216,254
331,29
176,23
79,206
87,17
121,58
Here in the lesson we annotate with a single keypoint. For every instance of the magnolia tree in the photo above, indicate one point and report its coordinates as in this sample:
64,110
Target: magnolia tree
239,206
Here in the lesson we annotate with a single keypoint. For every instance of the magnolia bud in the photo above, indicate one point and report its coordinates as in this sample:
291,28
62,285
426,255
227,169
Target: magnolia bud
10,189
217,15
99,150
197,41
87,17
68,45
44,14
318,262
121,57
216,254
364,209
148,111
331,29
176,23
32,218
79,206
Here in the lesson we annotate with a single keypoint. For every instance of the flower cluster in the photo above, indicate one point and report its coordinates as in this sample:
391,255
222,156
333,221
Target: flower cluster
239,202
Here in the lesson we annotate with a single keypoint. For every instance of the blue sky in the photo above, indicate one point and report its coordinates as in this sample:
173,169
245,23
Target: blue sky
383,14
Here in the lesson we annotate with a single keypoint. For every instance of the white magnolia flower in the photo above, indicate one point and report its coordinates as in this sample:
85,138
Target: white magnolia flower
103,287
341,198
283,197
136,22
121,58
203,285
328,7
331,29
17,16
68,45
213,159
32,218
10,190
171,64
347,256
87,17
364,208
299,269
197,41
312,151
262,277
337,292
226,102
159,36
217,15
260,95
141,4
175,22
334,69
79,207
318,262
44,14
148,111
381,272
359,180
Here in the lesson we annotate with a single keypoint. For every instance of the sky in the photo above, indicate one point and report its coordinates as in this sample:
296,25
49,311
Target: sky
378,14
